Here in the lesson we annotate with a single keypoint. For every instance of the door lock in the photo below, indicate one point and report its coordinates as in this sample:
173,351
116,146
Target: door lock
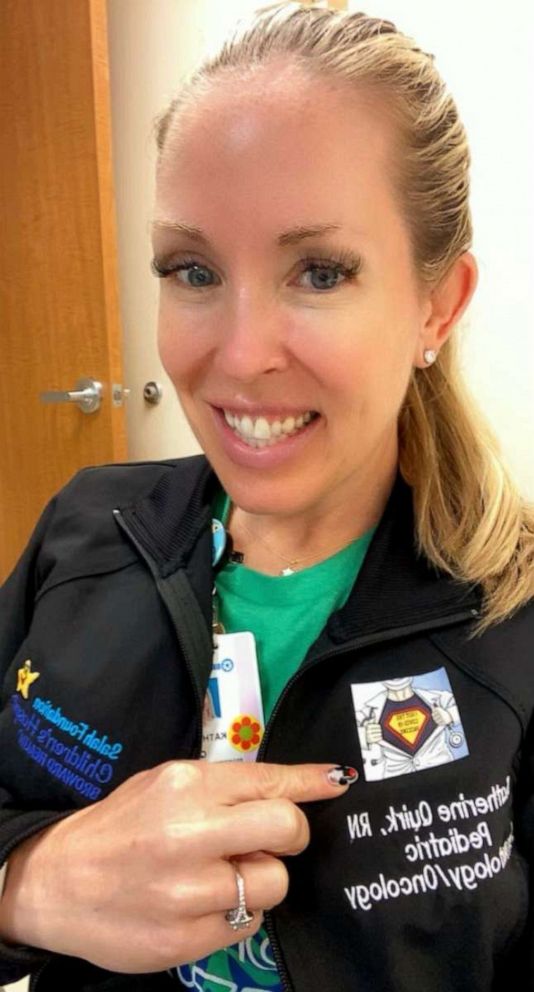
153,392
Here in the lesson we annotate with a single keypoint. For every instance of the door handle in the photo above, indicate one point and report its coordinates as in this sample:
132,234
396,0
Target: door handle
87,395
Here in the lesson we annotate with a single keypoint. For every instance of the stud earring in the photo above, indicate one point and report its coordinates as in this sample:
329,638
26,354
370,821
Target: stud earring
429,356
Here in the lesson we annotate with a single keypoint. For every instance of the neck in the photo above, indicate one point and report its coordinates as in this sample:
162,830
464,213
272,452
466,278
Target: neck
272,541
399,695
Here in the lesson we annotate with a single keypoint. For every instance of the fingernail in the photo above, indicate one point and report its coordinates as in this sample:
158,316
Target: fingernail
342,775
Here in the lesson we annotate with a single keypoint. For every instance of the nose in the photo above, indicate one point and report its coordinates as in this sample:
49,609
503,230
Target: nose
251,339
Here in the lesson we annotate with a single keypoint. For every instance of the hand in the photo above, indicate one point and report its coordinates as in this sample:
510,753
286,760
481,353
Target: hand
441,716
140,881
373,733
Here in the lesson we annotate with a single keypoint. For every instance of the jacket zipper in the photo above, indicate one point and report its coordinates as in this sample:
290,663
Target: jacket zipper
185,641
36,976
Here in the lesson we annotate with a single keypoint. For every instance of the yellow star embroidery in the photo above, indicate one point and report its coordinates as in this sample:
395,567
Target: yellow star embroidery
25,678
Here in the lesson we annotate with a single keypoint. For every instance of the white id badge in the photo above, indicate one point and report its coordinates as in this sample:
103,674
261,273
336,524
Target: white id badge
232,725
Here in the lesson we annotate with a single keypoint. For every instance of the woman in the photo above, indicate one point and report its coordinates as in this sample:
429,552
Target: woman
312,237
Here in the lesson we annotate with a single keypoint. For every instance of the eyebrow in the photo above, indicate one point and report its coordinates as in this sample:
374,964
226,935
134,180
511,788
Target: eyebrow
290,237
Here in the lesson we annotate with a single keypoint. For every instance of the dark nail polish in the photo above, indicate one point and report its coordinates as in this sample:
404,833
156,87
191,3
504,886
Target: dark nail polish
342,775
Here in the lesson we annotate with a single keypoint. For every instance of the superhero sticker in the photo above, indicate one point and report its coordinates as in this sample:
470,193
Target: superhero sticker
407,724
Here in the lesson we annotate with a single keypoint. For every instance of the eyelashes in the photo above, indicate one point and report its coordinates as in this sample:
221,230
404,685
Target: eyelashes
165,269
343,264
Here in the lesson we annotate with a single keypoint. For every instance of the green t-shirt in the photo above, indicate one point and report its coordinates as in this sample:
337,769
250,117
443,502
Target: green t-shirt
286,615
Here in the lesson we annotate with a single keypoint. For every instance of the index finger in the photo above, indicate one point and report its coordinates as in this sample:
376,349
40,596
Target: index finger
235,782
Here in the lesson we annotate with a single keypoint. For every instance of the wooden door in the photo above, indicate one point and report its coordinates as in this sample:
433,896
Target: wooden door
59,315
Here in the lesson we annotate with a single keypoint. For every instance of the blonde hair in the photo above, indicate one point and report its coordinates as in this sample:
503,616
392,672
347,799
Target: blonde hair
470,519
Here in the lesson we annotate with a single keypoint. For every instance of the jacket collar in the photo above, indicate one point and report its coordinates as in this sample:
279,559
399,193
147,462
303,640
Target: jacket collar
171,516
395,588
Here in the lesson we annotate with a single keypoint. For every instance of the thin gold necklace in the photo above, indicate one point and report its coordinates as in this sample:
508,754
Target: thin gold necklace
291,562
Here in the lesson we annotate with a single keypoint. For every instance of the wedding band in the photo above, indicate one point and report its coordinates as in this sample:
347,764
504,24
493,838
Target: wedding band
239,918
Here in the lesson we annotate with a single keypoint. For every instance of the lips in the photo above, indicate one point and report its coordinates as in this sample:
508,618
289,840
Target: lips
247,451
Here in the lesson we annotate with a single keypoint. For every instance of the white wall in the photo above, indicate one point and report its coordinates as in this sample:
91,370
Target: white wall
484,52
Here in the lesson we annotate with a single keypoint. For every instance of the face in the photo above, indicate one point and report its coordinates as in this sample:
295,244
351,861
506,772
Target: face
291,355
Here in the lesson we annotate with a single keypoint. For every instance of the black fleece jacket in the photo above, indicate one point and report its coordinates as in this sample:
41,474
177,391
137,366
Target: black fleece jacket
419,876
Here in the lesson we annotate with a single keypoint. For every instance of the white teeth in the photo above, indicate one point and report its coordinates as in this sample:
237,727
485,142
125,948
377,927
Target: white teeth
262,429
258,432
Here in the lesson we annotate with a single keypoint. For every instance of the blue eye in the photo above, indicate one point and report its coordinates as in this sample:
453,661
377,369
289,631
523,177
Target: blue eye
327,274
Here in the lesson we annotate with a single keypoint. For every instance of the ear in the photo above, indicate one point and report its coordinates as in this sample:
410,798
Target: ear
446,303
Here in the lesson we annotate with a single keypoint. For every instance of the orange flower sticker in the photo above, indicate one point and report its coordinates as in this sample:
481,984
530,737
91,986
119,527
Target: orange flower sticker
245,733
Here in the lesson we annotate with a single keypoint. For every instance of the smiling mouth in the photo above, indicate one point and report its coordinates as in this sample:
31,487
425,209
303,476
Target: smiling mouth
263,432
